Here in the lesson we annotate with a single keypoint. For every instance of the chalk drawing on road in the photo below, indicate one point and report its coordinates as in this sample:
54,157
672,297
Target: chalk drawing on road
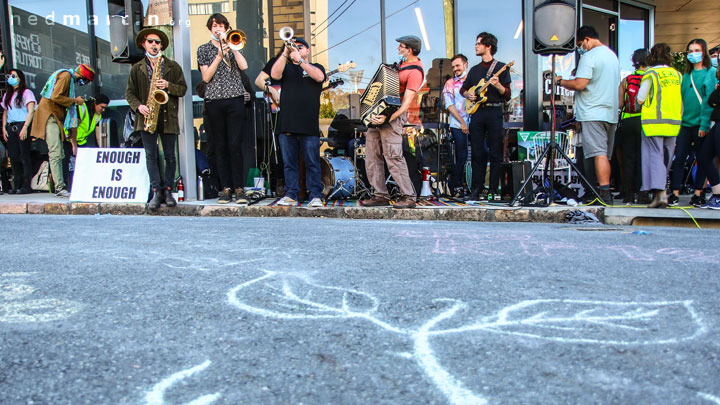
709,397
294,297
156,396
17,307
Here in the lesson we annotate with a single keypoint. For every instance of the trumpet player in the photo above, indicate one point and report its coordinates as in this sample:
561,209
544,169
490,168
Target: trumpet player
298,123
162,116
220,63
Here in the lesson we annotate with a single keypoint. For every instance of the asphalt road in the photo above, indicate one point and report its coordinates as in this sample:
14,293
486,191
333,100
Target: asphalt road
135,310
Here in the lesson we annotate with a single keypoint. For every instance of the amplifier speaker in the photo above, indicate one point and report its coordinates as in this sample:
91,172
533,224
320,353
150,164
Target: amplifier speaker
554,25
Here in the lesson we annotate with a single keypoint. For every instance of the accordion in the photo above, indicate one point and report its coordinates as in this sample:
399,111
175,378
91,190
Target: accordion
382,97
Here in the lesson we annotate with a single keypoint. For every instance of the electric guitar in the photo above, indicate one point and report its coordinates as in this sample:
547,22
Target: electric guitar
342,68
480,90
333,83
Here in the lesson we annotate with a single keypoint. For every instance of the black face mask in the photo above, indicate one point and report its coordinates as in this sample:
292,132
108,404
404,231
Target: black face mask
81,82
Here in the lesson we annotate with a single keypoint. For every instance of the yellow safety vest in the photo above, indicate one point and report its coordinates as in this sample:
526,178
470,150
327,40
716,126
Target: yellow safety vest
662,110
86,127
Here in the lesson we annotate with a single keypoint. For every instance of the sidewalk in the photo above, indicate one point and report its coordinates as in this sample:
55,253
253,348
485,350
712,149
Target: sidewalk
45,203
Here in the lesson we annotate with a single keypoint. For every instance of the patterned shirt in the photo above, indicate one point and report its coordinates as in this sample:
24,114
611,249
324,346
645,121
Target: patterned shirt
451,95
226,82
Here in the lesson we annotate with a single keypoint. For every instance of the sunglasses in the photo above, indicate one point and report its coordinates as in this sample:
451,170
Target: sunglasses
154,41
300,46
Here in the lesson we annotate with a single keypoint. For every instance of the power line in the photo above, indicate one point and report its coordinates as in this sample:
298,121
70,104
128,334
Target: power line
335,19
331,14
366,29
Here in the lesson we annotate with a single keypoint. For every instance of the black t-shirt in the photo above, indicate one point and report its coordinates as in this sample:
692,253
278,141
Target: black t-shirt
479,72
299,101
268,68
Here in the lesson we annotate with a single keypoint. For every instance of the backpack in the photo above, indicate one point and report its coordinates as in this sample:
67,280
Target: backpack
39,182
631,91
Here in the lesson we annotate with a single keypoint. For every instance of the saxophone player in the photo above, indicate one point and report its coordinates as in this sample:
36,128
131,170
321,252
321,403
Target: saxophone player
152,74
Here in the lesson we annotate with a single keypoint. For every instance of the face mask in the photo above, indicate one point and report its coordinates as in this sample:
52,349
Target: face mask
13,81
151,56
214,37
81,82
695,57
581,51
714,61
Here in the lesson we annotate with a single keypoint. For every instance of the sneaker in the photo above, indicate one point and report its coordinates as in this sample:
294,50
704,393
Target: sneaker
673,200
698,200
459,193
485,194
713,202
316,203
225,196
63,193
287,202
240,196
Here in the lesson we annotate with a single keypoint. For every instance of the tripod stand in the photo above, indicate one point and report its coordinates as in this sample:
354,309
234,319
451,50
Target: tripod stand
549,156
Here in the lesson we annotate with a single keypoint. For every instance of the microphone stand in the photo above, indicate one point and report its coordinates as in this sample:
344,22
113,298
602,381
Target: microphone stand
269,131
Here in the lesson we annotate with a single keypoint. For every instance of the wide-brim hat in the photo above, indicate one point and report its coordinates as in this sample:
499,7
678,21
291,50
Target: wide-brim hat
140,38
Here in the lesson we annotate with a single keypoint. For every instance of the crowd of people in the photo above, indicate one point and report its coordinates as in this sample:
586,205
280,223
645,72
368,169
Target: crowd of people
660,115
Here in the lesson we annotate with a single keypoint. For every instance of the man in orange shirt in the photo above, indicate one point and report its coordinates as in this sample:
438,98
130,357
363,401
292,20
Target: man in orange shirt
386,139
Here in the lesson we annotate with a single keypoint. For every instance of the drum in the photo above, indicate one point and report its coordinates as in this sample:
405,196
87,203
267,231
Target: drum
338,177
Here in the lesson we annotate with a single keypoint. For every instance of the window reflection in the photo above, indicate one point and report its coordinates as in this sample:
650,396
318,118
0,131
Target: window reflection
46,37
632,35
504,20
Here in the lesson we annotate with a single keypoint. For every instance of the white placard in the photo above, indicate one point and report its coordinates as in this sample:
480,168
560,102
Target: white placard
110,175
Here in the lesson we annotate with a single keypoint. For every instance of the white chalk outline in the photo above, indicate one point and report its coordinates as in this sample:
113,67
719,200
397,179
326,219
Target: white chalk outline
156,396
449,385
709,397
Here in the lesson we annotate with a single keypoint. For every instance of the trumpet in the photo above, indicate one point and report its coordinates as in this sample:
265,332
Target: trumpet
236,39
286,34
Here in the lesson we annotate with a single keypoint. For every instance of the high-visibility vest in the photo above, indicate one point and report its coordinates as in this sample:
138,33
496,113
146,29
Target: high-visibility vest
662,110
85,127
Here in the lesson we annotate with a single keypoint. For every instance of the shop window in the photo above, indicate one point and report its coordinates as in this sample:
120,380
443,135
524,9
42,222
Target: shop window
504,20
633,34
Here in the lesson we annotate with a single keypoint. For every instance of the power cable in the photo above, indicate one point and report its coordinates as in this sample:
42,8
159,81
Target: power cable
335,19
366,29
331,14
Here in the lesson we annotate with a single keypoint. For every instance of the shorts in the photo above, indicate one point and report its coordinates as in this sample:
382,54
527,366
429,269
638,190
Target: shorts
598,138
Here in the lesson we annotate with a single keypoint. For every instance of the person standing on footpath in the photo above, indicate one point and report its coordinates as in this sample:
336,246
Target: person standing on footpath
18,104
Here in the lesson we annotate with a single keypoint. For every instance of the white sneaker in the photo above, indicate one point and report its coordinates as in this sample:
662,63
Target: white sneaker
315,203
63,193
287,202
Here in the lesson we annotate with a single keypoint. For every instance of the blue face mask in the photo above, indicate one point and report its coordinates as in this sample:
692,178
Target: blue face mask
149,55
581,51
214,37
714,61
13,81
81,82
695,57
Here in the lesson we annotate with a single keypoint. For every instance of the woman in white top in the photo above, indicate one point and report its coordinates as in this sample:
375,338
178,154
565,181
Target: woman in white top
18,105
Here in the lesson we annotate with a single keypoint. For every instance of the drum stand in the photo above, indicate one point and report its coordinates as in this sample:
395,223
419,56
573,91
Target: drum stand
360,188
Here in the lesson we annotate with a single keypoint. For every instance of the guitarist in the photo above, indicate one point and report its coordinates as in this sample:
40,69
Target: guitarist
486,124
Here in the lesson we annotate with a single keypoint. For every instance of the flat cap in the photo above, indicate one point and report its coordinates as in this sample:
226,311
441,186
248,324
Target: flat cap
411,41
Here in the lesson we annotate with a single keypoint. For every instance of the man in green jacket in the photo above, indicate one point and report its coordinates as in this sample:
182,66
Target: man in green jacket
173,83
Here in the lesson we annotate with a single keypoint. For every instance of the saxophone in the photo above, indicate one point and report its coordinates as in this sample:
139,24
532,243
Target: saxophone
155,99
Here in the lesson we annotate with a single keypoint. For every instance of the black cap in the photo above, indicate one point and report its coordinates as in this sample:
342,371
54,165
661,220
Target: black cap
302,41
411,41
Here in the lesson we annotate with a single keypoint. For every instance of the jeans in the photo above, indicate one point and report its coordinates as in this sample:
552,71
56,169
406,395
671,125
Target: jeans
227,120
486,127
460,153
309,145
150,143
710,151
687,140
19,152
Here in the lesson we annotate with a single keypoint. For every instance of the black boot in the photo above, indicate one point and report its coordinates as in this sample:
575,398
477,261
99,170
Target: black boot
169,200
156,200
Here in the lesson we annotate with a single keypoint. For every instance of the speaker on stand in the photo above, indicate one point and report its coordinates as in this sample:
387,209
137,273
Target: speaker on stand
554,26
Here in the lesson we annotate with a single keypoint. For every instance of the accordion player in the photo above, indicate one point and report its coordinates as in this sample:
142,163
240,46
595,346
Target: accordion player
382,97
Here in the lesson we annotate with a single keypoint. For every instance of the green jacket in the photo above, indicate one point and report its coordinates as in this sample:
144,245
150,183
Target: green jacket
137,92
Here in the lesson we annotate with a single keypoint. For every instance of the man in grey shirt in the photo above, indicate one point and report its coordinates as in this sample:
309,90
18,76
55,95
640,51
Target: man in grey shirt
596,103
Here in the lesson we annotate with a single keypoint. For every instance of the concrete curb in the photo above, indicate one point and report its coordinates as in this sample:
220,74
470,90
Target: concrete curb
472,214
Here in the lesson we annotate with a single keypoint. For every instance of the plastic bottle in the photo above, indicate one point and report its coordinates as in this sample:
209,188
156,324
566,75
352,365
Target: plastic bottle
200,189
